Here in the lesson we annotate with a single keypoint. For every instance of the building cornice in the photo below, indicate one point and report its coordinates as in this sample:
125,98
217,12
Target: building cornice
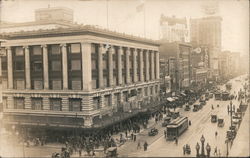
76,31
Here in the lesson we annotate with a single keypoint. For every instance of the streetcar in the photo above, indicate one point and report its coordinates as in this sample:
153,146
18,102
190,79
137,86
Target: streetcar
213,118
229,86
217,96
177,127
225,96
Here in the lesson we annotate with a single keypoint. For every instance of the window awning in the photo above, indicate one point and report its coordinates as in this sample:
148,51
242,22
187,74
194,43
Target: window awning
170,99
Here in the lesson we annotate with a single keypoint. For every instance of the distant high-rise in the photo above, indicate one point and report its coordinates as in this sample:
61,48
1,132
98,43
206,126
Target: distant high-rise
207,31
173,29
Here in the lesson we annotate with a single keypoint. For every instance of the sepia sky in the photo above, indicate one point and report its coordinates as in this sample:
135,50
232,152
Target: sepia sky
123,16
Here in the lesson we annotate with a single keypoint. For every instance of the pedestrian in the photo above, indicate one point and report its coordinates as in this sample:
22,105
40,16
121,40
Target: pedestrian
134,138
126,133
145,146
184,149
189,123
165,133
138,145
216,134
215,151
176,141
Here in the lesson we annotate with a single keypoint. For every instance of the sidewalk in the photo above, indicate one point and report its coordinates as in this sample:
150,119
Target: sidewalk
241,146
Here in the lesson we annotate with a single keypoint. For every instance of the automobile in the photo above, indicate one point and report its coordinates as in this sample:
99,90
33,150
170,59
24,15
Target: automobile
213,118
166,121
153,132
196,107
187,108
111,152
221,122
203,103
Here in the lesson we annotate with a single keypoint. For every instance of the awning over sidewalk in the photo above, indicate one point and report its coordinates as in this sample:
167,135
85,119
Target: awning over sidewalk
170,99
183,94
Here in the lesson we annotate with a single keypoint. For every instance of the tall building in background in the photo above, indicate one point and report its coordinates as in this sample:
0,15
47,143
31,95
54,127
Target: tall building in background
174,29
207,31
178,56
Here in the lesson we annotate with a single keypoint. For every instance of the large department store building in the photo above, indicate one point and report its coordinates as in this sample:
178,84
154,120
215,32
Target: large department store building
66,76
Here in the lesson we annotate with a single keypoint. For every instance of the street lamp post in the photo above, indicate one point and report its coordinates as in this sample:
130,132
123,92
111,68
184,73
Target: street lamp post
197,149
227,147
208,148
202,146
231,112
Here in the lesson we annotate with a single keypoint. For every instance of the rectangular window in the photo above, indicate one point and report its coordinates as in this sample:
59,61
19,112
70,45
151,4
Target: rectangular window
18,103
55,49
75,104
94,83
19,65
107,100
38,84
75,65
56,84
76,84
55,104
93,65
4,84
36,103
96,102
4,65
104,64
37,50
19,84
19,51
56,65
75,48
37,66
5,103
105,81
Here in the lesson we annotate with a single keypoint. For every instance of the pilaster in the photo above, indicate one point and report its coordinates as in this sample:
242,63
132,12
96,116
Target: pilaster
100,65
10,68
27,67
86,67
152,66
46,104
147,65
64,66
65,103
87,103
110,67
27,102
127,66
10,102
141,66
135,65
119,58
45,67
157,65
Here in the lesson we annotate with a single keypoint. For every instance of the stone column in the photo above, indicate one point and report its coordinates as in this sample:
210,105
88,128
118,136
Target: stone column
64,66
46,105
86,67
119,58
102,101
135,65
27,67
87,103
27,102
10,68
141,66
45,67
127,66
110,65
147,66
65,103
100,65
152,66
157,65
114,106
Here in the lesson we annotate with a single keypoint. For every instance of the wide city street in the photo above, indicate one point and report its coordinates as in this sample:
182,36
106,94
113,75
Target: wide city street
158,146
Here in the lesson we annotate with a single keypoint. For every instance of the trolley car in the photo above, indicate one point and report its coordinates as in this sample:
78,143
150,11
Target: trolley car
177,127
